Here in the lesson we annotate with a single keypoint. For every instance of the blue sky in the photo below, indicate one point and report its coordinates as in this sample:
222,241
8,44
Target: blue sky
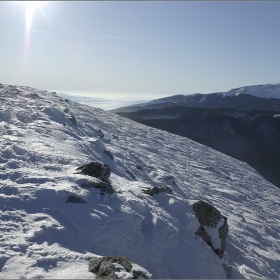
141,49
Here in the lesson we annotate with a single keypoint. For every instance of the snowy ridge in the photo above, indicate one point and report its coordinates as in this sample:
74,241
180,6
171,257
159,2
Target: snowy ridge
261,91
44,237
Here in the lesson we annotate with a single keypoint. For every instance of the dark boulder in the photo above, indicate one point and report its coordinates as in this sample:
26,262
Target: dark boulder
73,120
74,199
155,190
139,167
210,218
100,133
105,187
105,267
96,169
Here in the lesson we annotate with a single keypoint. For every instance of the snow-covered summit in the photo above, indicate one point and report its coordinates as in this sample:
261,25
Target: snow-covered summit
45,138
261,91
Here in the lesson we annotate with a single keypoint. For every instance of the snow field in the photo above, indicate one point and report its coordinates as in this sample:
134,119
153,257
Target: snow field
44,237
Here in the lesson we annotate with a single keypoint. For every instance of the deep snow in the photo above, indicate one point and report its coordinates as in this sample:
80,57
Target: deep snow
44,237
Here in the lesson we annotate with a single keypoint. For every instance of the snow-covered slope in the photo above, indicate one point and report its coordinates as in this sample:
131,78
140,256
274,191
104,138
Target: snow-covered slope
261,91
44,237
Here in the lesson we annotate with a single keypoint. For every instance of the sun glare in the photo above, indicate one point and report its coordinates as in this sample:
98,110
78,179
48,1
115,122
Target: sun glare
30,7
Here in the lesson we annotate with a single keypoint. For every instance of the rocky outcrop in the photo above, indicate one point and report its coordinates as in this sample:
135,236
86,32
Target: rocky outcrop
96,169
213,226
74,199
154,190
116,267
105,187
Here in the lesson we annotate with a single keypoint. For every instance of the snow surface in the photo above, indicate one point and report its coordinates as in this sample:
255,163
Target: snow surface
261,91
44,237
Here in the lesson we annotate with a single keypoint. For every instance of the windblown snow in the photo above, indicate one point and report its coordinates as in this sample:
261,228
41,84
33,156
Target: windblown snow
44,138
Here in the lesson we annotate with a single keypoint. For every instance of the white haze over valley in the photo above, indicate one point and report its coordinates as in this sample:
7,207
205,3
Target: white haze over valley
41,236
108,100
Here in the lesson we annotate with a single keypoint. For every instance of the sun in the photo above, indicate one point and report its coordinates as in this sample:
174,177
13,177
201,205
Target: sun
30,7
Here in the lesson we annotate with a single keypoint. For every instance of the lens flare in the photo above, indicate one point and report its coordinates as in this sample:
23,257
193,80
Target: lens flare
30,7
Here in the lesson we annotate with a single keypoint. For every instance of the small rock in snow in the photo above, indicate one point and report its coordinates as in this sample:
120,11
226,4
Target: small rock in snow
213,226
108,267
139,167
154,190
96,169
100,133
75,199
103,186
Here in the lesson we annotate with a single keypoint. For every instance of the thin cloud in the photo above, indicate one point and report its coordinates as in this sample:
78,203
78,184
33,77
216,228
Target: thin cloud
124,39
40,31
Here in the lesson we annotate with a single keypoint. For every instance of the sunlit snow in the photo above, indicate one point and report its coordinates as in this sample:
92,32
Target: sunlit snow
44,237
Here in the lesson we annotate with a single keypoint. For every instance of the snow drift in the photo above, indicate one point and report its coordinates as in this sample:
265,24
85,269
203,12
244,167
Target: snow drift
45,138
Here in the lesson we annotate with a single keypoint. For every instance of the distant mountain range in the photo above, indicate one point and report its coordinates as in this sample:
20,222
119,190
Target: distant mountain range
235,123
261,97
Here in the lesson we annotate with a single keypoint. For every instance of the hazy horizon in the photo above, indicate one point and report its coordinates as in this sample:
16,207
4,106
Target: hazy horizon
139,48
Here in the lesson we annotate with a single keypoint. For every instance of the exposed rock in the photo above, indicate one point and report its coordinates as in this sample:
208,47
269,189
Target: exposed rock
115,137
74,199
106,271
73,120
109,154
210,218
100,133
103,186
139,167
94,264
96,169
105,268
154,190
137,274
66,110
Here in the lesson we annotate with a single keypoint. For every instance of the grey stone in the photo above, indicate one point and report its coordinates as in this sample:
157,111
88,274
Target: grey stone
105,187
94,264
74,199
73,120
96,169
209,216
139,167
155,190
66,110
139,275
104,267
125,262
100,133
106,271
